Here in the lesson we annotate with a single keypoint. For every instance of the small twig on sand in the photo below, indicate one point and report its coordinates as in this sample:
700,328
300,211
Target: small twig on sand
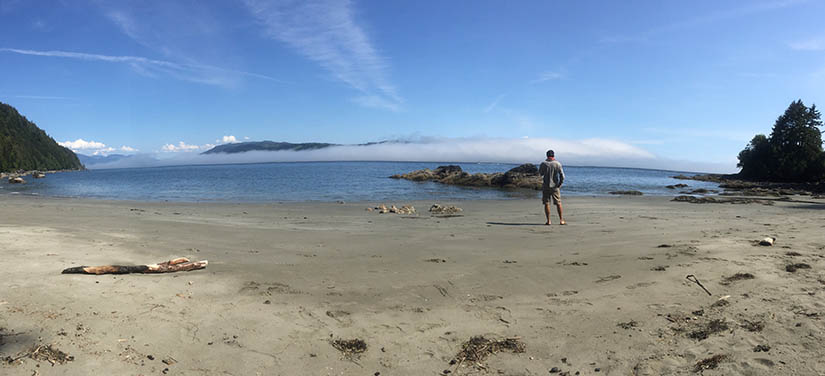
692,278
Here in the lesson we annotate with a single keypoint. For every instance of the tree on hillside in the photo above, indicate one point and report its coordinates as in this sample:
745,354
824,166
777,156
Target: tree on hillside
755,159
793,152
797,142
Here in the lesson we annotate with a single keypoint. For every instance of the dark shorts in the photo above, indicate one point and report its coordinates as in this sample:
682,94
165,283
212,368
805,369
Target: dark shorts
552,195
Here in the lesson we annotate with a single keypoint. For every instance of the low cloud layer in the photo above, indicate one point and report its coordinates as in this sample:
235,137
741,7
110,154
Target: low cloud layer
589,152
93,147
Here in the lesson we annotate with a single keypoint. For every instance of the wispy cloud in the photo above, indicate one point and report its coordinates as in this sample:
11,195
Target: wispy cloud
204,74
126,24
41,97
494,103
814,44
716,16
682,133
326,32
548,76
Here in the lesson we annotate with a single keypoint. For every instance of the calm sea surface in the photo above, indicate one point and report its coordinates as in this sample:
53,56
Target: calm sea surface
320,181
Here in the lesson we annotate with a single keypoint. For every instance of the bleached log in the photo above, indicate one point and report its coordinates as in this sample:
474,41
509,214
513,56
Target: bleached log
181,264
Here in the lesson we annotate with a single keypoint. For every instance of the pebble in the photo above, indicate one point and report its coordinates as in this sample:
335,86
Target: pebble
554,370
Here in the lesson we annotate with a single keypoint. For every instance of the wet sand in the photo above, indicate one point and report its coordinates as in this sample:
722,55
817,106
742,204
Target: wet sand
605,294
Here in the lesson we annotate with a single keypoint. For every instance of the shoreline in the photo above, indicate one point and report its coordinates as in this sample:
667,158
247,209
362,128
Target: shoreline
607,291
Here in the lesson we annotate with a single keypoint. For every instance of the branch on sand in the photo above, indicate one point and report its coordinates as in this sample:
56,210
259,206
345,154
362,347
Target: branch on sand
181,264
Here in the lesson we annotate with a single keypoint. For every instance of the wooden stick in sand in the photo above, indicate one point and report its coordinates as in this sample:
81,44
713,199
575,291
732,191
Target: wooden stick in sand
181,264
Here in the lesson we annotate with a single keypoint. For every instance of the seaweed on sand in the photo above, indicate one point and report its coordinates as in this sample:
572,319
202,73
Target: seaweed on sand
478,348
351,348
710,363
712,327
737,277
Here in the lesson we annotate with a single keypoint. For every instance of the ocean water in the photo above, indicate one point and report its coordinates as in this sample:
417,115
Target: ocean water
321,181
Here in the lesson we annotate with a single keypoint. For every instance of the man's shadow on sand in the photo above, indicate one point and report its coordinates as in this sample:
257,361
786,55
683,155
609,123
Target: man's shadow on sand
514,224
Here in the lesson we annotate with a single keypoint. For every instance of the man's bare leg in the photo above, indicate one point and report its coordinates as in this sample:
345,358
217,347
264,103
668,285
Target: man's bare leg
547,212
558,208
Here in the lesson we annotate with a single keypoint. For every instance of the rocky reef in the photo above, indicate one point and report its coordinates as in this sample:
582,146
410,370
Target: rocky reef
735,186
524,176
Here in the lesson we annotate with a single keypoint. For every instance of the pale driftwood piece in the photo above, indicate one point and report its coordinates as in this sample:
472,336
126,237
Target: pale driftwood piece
181,264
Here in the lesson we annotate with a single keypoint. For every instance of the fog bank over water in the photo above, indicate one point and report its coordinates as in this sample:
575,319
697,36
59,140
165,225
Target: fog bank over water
588,152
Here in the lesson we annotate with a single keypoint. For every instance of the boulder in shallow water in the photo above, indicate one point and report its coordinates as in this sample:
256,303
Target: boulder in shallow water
626,193
524,176
527,168
448,170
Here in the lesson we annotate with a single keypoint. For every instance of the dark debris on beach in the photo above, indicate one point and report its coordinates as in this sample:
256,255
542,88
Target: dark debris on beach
736,277
710,363
479,348
350,347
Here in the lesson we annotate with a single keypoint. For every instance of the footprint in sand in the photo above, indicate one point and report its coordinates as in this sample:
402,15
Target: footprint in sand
608,278
640,284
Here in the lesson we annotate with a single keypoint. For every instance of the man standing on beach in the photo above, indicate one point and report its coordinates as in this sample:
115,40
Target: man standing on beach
553,177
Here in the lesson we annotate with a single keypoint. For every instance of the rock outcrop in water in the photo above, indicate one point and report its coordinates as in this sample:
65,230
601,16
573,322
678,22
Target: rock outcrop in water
524,176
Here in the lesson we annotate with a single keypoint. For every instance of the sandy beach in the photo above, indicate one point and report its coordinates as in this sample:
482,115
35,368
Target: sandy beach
606,294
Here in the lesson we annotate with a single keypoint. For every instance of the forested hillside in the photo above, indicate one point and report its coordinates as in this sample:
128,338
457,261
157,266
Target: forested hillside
24,146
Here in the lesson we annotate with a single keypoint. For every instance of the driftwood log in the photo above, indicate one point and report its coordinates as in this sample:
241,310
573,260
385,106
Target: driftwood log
181,264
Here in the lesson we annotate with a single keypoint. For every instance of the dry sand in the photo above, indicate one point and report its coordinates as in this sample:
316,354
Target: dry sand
604,295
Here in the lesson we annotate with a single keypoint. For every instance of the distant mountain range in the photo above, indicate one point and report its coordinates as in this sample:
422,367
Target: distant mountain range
240,147
88,160
24,146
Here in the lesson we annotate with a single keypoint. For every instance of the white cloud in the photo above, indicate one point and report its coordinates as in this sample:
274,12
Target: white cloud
180,147
103,151
81,144
93,147
494,103
376,101
44,97
326,32
815,44
228,139
547,76
749,8
199,73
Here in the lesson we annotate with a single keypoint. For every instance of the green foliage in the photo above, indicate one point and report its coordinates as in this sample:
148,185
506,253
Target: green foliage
755,158
793,152
24,146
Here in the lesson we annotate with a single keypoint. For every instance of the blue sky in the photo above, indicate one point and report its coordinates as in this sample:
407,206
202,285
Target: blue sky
664,81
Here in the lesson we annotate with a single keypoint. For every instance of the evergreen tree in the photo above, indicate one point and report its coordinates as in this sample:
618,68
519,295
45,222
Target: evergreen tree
793,152
756,158
796,142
